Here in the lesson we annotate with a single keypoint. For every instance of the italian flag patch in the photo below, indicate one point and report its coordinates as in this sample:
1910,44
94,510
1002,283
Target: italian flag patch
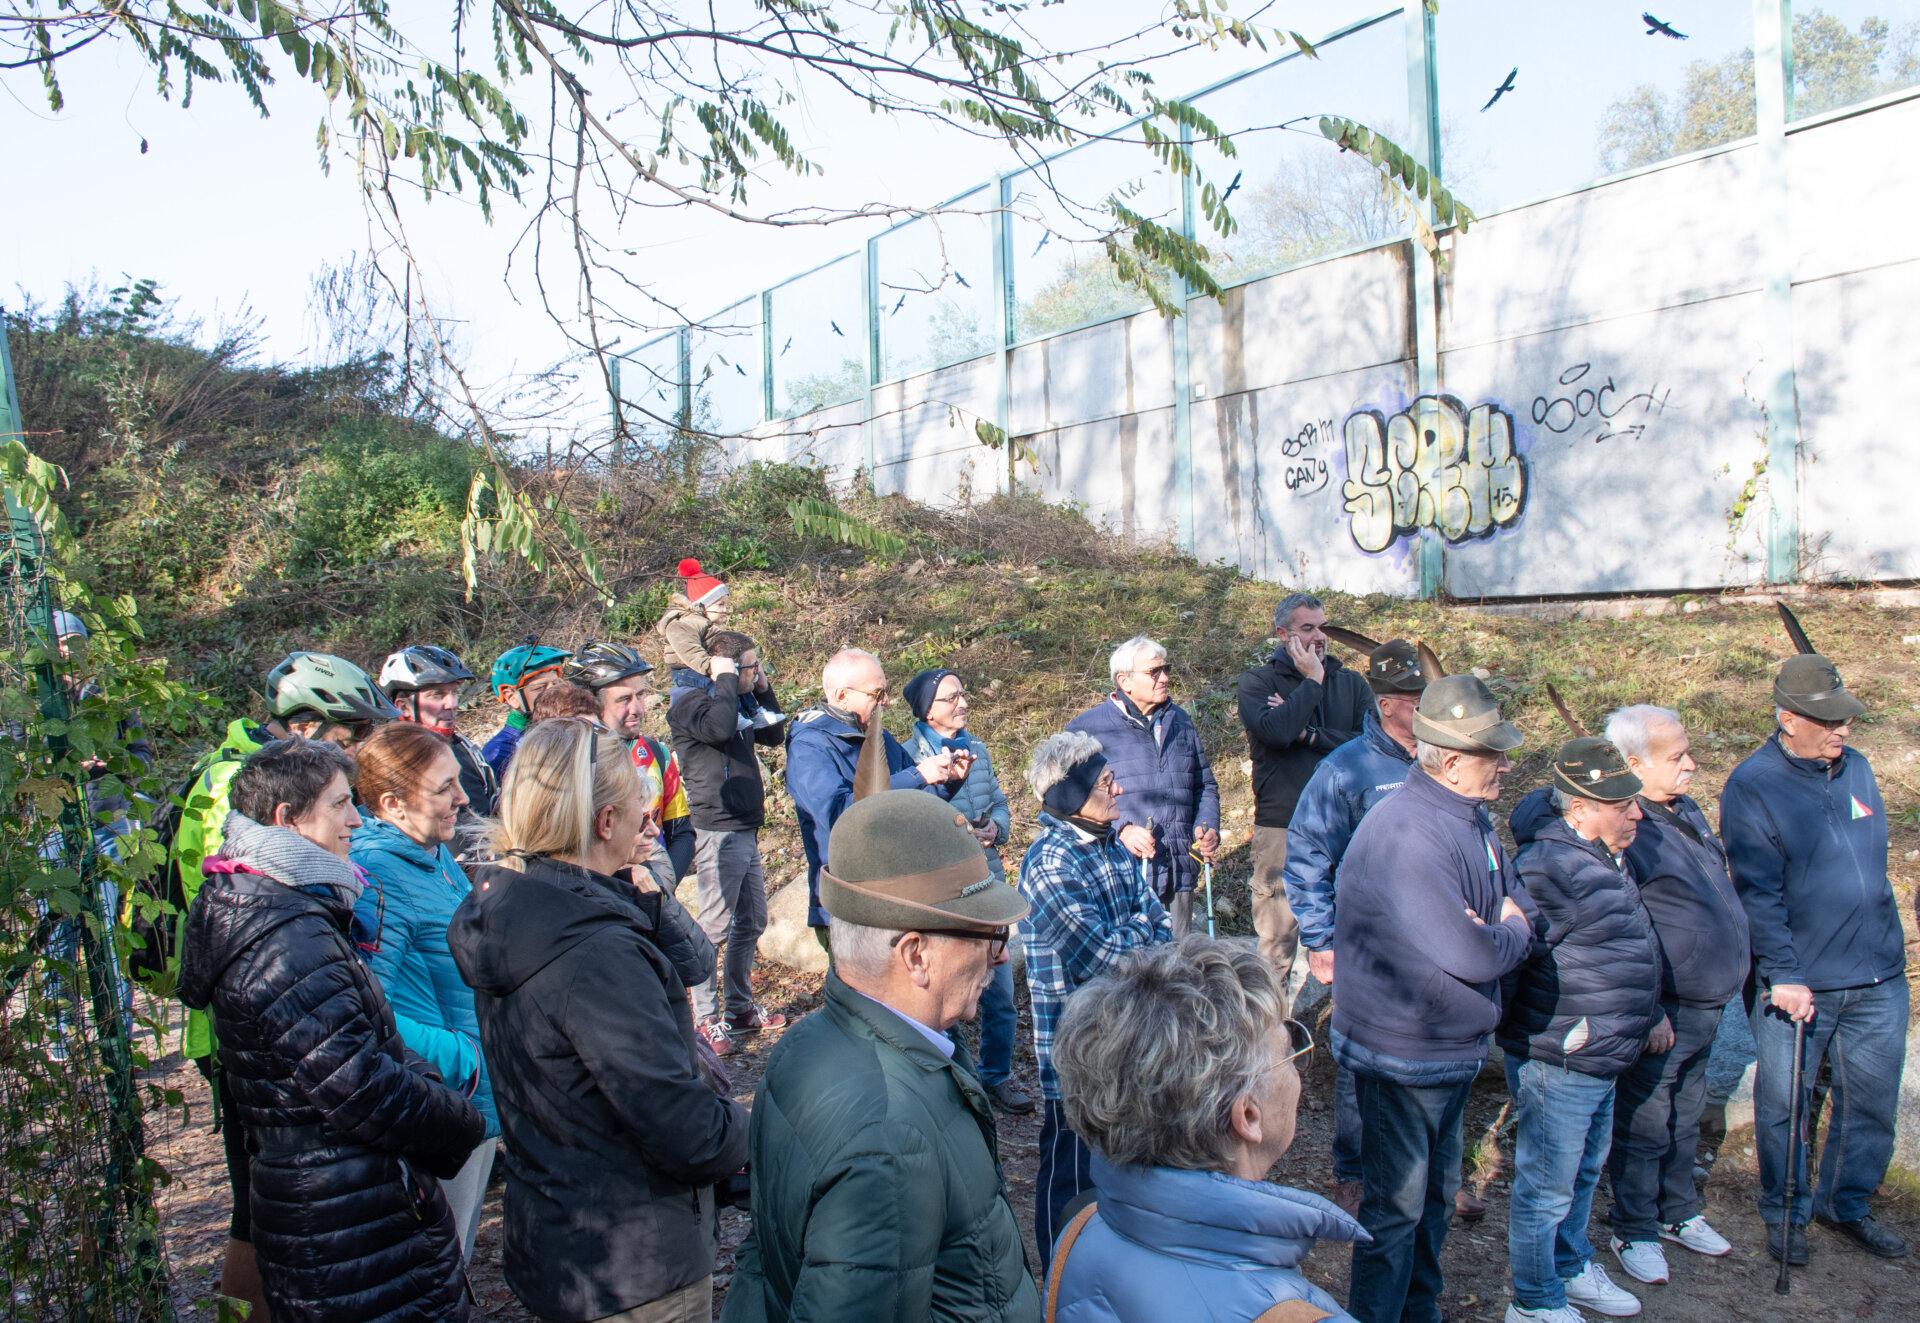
1859,810
1493,860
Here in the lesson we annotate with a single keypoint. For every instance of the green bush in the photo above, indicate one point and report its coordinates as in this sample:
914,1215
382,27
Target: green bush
379,491
758,495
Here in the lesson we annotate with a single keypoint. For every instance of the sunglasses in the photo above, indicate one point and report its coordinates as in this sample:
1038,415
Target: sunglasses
998,938
1159,672
1299,1043
879,695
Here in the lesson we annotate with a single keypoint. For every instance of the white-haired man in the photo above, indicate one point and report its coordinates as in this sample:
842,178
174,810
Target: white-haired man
823,747
1172,808
1088,912
1298,708
1681,869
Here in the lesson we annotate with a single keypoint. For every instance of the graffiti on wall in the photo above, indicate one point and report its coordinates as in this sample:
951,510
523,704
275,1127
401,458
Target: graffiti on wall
1597,410
1307,470
1434,464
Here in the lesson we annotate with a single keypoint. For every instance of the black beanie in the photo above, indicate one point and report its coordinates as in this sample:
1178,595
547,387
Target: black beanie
921,689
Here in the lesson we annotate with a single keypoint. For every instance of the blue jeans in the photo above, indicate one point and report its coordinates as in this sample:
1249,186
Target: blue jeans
1562,1130
1410,1163
1066,1169
996,1028
1346,1128
1863,1033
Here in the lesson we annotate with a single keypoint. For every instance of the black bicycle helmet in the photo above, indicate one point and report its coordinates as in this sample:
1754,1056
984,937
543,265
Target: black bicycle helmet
421,666
598,665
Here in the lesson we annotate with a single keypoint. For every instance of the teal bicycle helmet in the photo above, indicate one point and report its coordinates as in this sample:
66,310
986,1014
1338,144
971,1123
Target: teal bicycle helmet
518,665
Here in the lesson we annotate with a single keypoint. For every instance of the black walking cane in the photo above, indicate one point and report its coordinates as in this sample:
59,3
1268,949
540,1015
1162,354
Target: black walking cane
1783,1283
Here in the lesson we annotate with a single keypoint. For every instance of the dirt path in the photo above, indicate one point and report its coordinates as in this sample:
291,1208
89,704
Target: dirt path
1841,1283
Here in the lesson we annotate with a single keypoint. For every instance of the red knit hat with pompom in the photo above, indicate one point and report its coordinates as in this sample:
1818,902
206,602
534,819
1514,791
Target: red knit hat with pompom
702,589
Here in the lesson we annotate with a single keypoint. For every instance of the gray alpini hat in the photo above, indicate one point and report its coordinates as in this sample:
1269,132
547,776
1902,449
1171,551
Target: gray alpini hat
1460,712
1591,768
904,859
1810,685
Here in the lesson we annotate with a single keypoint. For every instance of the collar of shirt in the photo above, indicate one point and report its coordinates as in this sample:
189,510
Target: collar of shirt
940,1041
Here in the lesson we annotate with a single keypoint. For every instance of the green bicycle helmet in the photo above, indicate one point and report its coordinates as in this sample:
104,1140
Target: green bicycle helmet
600,664
310,685
518,665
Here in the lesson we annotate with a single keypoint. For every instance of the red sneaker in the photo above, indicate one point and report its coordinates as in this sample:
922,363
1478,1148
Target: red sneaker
759,1020
717,1037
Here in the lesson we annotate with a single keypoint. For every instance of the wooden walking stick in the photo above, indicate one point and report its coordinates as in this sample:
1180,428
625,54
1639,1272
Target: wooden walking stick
1783,1283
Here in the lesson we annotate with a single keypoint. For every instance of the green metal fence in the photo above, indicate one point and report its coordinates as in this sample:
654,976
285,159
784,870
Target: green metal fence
79,1236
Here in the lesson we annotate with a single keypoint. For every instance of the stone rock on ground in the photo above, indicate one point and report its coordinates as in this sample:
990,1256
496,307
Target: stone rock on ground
787,940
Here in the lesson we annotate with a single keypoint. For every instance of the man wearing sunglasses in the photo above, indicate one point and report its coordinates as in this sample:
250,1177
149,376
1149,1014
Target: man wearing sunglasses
823,748
1806,836
877,1190
1172,809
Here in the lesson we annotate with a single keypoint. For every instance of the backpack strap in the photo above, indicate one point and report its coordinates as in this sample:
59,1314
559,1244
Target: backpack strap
1293,1311
1067,1237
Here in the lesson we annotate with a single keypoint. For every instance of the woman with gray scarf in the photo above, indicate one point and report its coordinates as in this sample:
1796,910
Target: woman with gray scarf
345,1122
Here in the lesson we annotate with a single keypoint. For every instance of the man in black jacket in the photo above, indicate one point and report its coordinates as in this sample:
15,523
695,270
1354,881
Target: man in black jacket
1583,1008
1682,873
1298,708
715,727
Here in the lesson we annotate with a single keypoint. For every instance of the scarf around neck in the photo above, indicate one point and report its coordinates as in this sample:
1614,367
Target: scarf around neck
287,857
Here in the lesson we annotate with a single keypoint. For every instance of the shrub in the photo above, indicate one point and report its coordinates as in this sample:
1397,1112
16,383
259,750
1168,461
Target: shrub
378,489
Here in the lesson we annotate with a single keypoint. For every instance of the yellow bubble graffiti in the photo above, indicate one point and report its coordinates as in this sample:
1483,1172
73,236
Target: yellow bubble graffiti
1435,464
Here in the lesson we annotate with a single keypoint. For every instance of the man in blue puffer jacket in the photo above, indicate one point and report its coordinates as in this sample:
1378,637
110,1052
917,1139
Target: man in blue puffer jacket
1347,783
1806,834
1581,1011
1172,804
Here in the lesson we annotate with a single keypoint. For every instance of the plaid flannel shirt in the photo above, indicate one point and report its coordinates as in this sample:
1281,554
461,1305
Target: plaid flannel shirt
1089,909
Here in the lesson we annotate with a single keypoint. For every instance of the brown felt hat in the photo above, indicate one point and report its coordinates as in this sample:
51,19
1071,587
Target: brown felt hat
905,859
1810,685
1394,668
1591,768
1459,712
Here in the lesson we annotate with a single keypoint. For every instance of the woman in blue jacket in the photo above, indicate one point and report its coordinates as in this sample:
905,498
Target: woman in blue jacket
1183,1072
409,787
940,706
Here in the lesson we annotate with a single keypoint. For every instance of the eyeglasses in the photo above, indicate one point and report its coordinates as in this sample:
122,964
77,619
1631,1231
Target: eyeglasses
878,695
357,731
999,937
1105,782
952,698
1299,1041
1159,672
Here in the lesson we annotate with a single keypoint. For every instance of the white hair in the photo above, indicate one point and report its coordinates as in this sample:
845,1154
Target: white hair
1431,757
1057,755
859,950
1630,730
1128,653
1561,800
834,674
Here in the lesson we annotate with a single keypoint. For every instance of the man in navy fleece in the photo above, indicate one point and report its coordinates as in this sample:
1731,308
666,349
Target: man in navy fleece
1426,926
1806,837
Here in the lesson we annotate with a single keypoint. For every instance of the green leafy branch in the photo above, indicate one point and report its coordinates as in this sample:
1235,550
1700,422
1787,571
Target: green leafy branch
1408,182
813,517
515,521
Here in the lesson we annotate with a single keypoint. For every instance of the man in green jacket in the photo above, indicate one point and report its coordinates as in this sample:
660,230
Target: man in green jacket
877,1192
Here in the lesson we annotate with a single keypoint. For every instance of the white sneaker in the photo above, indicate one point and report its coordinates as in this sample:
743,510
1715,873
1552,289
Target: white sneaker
1516,1313
1643,1260
1594,1289
1697,1236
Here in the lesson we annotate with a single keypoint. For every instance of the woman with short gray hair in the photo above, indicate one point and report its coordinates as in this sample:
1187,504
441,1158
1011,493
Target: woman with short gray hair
1182,1070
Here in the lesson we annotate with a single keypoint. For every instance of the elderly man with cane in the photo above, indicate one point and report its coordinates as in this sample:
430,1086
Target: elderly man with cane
1426,928
1806,836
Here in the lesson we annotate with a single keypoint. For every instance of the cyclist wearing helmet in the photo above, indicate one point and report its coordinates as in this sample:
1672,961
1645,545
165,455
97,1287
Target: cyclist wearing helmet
311,695
618,675
518,677
425,684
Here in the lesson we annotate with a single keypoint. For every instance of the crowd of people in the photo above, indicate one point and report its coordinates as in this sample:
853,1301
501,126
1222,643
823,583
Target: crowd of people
408,957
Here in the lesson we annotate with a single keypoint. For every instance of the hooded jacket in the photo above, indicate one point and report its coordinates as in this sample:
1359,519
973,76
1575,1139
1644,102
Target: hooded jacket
1589,993
614,1138
823,749
1195,1245
401,930
683,627
344,1120
714,738
877,1190
1166,779
1690,896
1287,742
1419,979
1348,782
1807,845
977,797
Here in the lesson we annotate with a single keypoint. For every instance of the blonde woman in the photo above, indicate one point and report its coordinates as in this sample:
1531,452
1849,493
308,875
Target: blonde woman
614,1135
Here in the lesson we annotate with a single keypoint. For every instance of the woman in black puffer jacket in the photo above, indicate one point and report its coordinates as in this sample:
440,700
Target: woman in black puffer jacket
345,1123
